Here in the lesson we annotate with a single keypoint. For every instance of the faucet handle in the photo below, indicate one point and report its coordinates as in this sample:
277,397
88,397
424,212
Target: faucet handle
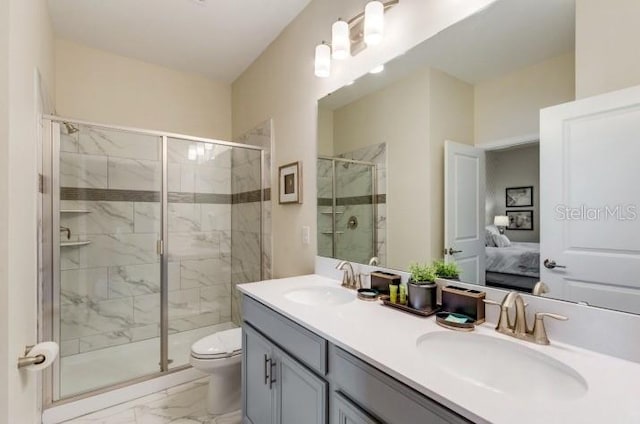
504,325
539,330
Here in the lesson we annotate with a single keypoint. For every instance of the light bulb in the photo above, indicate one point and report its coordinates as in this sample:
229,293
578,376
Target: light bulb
373,23
323,61
340,42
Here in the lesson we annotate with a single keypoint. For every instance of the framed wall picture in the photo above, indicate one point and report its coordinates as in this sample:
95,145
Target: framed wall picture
290,183
517,197
520,220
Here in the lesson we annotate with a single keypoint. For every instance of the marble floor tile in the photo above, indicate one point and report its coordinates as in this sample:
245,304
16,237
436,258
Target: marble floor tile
184,404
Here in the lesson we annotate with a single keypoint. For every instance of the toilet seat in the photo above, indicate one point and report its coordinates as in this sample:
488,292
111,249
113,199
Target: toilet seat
221,345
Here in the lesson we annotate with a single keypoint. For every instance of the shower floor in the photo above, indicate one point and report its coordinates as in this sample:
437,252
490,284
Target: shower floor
105,367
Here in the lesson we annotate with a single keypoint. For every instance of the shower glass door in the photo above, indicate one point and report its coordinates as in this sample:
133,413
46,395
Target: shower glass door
106,281
198,243
150,232
355,211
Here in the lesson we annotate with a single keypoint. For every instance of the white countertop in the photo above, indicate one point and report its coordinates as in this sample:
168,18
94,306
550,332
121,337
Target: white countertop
386,338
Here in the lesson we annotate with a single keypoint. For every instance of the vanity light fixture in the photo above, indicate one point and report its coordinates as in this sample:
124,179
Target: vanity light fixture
373,23
351,37
340,41
323,60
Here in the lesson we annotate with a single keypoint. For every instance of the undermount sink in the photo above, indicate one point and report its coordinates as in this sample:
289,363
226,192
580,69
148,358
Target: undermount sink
501,366
320,296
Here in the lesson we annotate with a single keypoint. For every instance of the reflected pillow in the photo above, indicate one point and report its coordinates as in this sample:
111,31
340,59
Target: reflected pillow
500,240
489,232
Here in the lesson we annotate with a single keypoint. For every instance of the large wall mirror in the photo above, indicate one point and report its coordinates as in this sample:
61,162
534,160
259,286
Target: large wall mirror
441,155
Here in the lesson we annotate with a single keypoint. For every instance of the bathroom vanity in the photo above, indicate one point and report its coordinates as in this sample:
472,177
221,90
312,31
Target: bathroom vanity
295,376
313,353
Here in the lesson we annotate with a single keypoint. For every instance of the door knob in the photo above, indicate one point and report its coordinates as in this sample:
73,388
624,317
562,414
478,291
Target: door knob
552,264
452,251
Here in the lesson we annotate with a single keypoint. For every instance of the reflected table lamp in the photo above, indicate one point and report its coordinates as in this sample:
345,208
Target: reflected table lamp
501,221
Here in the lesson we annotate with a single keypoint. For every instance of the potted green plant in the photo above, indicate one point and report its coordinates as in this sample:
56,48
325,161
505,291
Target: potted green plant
422,286
449,271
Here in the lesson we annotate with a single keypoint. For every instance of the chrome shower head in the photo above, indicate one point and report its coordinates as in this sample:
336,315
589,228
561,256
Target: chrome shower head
71,129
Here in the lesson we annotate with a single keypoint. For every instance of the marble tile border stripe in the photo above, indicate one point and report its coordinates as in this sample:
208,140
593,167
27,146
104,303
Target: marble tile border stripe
354,200
111,195
108,195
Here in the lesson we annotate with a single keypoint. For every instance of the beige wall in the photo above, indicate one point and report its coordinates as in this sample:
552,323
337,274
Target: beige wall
607,34
451,118
280,84
325,132
30,48
103,87
509,106
4,215
517,167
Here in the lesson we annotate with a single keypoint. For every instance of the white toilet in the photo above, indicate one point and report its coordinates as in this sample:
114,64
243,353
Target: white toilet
220,356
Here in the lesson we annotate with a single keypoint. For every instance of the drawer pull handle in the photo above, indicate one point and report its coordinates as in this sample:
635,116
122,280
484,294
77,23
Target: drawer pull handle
267,361
272,379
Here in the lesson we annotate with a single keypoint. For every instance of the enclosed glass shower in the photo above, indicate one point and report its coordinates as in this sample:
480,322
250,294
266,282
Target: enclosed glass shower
139,263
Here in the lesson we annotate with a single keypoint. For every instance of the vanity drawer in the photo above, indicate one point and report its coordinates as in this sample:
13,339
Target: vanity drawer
297,341
383,396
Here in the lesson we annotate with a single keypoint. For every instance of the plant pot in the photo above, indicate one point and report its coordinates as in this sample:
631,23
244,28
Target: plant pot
422,296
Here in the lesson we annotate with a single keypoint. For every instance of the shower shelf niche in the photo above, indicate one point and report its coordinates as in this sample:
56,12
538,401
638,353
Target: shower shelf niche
75,243
75,211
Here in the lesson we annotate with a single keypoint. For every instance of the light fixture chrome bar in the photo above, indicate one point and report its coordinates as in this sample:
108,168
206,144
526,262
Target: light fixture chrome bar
360,16
164,260
356,28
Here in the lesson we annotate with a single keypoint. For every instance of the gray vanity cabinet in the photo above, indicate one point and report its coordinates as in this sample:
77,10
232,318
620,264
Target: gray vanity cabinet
301,396
257,389
293,376
276,387
343,411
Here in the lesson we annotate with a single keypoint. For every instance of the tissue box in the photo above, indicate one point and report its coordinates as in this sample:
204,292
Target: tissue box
380,281
464,301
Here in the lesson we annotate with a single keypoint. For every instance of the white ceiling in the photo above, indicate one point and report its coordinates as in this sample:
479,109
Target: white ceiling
506,36
217,38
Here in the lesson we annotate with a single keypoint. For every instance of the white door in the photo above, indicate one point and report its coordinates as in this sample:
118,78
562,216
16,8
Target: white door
464,209
590,191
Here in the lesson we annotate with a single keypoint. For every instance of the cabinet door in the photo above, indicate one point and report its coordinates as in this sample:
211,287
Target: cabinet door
257,392
344,411
301,395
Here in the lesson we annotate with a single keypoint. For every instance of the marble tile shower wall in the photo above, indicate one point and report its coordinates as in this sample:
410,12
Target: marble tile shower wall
246,252
110,289
353,181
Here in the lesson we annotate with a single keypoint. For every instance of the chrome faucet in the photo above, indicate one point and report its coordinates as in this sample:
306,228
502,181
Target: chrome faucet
519,328
349,279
